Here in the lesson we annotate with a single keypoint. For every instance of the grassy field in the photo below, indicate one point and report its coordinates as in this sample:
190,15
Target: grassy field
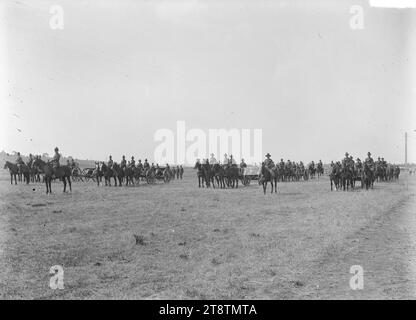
177,241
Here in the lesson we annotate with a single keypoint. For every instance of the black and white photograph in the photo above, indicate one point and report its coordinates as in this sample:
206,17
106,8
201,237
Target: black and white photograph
176,150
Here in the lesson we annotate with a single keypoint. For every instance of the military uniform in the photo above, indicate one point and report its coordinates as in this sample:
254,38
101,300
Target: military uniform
212,160
55,159
132,162
110,163
268,162
370,162
123,163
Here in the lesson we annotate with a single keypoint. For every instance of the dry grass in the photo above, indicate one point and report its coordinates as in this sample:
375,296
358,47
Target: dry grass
177,241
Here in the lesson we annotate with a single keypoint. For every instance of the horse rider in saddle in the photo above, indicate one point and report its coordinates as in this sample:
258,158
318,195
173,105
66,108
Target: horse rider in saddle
146,165
232,162
225,160
369,162
30,162
55,159
212,160
72,165
140,164
346,162
243,166
281,164
358,164
268,162
110,162
123,162
132,163
19,162
383,163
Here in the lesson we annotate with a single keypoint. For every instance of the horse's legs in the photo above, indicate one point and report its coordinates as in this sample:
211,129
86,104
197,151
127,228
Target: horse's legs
64,181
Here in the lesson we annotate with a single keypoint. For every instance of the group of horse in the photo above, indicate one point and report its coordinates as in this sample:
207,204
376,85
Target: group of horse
293,171
132,175
31,173
223,176
343,176
128,175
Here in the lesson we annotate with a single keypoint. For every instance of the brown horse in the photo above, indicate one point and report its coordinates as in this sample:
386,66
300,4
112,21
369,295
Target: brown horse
268,175
13,170
50,172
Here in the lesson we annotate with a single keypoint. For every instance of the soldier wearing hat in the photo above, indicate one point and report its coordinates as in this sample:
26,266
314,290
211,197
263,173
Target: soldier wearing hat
268,162
110,162
369,161
56,157
225,162
140,164
132,162
123,162
346,160
212,160
146,164
358,164
19,161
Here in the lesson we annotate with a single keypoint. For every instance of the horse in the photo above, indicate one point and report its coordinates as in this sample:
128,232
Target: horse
97,173
320,170
346,176
335,177
129,174
118,174
107,174
268,175
13,170
312,171
219,175
137,174
200,174
50,172
367,177
208,174
232,175
25,171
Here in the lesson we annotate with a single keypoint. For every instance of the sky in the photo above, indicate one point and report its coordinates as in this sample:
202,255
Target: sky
119,71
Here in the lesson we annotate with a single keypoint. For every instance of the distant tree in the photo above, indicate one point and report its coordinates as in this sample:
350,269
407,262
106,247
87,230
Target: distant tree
46,155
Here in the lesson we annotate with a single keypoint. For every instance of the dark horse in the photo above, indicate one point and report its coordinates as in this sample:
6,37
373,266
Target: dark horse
219,174
118,173
208,174
367,177
49,172
13,170
107,174
347,177
268,175
232,175
335,177
200,174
